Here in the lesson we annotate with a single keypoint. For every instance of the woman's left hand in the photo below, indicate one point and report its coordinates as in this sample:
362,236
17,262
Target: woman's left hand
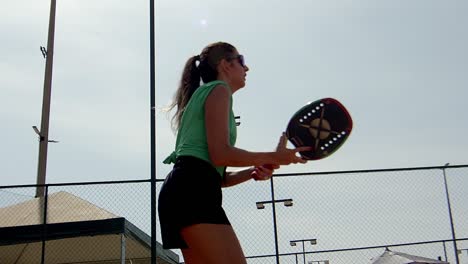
264,172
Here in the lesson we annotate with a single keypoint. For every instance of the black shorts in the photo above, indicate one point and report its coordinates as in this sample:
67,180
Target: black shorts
191,194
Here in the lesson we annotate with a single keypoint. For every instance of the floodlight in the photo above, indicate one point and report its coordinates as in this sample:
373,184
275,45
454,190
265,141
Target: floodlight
288,203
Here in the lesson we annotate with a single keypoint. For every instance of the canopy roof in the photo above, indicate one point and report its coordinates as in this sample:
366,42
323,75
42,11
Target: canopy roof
393,257
77,232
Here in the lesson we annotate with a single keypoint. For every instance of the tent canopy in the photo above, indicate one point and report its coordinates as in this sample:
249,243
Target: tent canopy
393,257
77,232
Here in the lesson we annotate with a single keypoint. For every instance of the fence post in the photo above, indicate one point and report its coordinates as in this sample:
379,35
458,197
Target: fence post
152,130
454,238
44,223
274,221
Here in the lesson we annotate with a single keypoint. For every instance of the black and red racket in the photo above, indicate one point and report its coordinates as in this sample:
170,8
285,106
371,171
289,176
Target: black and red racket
324,125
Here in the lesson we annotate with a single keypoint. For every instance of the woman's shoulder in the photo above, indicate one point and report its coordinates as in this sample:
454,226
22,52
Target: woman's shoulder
217,85
206,89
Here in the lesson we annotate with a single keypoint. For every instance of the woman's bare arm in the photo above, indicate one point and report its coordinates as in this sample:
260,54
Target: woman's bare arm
217,109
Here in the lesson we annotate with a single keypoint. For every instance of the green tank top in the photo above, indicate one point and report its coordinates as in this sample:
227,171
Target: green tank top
191,136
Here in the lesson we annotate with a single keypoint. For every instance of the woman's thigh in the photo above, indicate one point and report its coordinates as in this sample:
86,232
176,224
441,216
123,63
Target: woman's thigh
211,244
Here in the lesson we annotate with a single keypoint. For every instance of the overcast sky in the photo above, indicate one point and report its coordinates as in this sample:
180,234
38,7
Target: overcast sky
399,67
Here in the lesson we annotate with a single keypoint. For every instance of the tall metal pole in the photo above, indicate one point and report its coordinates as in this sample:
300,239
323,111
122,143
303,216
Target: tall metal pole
451,218
44,132
153,133
274,221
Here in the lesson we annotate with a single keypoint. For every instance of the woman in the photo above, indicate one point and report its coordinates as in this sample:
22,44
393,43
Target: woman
190,211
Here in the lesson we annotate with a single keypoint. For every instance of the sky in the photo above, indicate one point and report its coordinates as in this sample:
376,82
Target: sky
398,66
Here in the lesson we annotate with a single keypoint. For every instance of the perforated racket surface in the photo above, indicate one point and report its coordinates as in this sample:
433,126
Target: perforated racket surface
324,125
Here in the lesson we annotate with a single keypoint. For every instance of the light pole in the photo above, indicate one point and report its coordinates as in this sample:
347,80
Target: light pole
261,205
46,97
318,262
450,215
312,241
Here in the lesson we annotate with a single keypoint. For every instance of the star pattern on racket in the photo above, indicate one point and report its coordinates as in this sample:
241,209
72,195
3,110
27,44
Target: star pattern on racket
320,129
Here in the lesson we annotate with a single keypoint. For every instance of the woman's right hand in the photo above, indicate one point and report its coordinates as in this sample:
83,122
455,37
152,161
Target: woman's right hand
285,156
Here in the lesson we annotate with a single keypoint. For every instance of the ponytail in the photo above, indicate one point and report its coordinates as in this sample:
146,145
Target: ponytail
189,82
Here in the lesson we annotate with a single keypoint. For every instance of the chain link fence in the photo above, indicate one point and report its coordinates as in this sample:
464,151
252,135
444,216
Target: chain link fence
313,218
335,214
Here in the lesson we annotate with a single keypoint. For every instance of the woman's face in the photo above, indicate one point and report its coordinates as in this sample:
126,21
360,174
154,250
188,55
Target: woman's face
239,69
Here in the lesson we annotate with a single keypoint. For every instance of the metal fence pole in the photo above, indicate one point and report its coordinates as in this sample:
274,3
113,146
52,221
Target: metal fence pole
152,134
445,252
454,238
123,248
44,223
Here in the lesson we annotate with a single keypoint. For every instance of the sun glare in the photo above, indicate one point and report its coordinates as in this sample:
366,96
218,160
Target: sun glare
203,22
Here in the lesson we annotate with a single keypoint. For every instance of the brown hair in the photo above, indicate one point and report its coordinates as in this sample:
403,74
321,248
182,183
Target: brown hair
206,70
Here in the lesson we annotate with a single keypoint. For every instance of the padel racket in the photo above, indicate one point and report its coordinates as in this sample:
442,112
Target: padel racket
324,125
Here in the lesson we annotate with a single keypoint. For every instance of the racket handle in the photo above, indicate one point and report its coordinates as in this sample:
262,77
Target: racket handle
254,173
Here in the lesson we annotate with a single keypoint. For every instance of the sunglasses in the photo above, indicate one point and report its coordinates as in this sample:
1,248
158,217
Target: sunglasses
240,59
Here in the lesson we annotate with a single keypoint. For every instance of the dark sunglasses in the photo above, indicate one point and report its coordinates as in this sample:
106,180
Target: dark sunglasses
240,59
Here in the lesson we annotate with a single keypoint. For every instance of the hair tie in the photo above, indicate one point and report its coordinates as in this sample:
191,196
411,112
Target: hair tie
197,59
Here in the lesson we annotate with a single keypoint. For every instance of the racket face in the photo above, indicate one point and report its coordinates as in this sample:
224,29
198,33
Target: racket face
324,125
